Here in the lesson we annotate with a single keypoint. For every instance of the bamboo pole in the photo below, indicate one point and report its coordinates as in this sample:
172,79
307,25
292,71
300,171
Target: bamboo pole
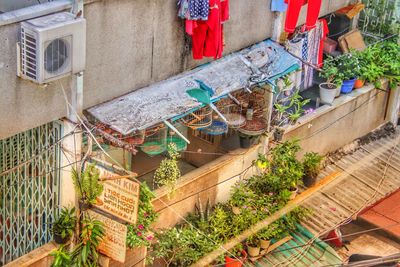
209,258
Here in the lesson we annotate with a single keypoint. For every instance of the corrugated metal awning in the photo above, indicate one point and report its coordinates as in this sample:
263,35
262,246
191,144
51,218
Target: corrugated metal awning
167,99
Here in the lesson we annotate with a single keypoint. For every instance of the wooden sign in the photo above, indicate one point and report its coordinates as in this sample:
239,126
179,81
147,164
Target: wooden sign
114,241
120,197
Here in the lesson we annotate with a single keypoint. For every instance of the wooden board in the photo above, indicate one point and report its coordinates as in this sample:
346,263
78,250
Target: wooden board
114,242
120,197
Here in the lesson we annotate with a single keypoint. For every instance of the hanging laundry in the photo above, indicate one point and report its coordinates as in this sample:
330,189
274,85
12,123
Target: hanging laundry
193,9
207,35
278,5
309,46
293,11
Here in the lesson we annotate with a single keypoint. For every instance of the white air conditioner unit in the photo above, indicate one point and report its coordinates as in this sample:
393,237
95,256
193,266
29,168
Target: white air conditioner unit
52,47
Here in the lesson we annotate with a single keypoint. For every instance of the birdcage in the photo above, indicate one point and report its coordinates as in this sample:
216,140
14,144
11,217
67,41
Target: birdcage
216,128
173,137
234,115
155,141
137,138
200,118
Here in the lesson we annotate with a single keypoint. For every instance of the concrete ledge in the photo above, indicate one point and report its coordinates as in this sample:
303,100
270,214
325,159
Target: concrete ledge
340,101
351,116
37,257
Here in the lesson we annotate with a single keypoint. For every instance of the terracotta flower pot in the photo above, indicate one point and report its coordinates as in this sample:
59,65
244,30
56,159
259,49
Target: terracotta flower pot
253,251
264,244
294,193
359,83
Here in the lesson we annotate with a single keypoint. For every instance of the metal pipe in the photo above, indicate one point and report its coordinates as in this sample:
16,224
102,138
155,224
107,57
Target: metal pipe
172,127
219,113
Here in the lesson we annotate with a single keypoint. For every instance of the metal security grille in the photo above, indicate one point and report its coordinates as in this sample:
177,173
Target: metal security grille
380,17
29,194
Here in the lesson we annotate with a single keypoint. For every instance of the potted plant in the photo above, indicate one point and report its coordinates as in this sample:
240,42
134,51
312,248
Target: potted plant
61,256
253,246
85,253
168,173
266,235
278,134
312,166
241,195
64,226
87,185
236,257
331,88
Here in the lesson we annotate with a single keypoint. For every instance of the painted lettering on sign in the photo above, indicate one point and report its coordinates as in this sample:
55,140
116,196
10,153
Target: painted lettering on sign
120,197
113,244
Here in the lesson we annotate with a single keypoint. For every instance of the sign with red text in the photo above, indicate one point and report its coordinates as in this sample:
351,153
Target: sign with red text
113,244
120,197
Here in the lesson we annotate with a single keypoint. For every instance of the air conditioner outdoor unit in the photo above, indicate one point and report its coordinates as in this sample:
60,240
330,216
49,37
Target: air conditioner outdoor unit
52,47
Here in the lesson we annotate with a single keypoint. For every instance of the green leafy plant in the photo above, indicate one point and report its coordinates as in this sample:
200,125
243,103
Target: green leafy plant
290,108
168,172
87,184
141,234
181,246
63,227
340,68
253,241
61,256
312,164
241,195
85,253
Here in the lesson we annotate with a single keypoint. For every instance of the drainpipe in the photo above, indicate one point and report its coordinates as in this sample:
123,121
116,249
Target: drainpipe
72,145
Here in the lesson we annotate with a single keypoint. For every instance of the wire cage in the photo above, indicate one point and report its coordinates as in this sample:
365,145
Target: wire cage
155,142
216,128
198,119
234,115
137,138
173,137
256,98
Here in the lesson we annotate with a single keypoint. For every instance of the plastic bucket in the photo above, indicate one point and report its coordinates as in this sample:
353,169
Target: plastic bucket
327,94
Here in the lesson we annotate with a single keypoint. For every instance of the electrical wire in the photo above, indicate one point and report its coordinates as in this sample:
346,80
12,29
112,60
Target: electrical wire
39,153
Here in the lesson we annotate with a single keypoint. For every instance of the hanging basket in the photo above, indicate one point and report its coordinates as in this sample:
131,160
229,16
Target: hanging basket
155,142
198,119
234,116
173,137
216,128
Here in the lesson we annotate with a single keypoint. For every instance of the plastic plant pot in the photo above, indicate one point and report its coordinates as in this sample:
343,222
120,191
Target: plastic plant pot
59,240
327,93
359,83
233,262
347,86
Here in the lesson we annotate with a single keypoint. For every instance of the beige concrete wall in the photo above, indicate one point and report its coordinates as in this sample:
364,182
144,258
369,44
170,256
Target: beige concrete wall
130,44
351,117
209,182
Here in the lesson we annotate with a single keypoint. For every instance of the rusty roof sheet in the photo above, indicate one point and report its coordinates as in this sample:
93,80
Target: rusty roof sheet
167,99
367,175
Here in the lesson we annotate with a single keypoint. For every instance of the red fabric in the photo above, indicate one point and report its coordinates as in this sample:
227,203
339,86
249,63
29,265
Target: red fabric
224,10
325,31
207,36
293,11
